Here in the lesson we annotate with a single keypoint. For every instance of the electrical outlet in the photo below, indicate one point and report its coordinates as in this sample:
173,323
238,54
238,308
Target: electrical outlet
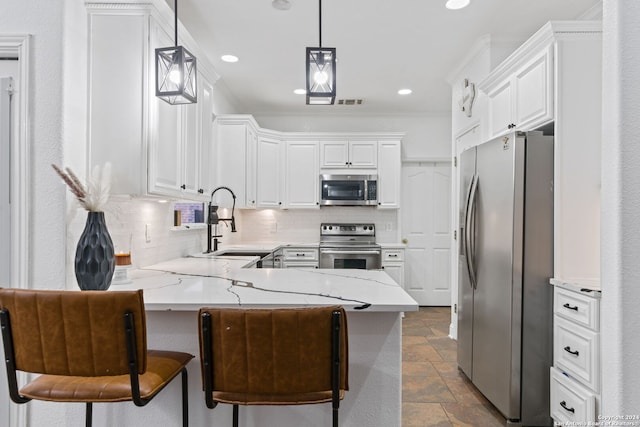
388,226
147,233
274,227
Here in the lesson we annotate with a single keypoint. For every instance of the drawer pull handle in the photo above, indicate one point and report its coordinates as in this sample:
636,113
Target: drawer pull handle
566,408
574,352
566,305
393,255
299,254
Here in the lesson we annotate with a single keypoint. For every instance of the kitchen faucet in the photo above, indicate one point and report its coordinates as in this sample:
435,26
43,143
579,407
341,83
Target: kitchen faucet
213,219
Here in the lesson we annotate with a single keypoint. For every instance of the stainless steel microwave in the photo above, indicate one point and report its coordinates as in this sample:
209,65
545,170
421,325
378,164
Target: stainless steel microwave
349,190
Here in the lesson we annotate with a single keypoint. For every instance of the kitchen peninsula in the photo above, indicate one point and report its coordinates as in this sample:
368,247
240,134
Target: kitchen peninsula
174,291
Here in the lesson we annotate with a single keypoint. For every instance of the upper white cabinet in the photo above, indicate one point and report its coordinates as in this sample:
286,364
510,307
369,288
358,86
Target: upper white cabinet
348,154
271,169
389,174
181,149
269,161
302,175
154,148
522,99
236,159
555,80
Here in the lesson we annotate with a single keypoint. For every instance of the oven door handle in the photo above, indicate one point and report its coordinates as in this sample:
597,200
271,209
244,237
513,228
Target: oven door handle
350,252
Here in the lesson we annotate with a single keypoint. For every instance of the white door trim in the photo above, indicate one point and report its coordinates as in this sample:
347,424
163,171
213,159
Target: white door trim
18,45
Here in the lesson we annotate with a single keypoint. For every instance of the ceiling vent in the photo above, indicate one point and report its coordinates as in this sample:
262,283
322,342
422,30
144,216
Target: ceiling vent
349,101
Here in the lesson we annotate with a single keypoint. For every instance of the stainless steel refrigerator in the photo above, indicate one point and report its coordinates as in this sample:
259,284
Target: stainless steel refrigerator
505,261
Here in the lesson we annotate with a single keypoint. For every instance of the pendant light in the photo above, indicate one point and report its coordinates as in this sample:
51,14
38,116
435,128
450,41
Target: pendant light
321,71
176,72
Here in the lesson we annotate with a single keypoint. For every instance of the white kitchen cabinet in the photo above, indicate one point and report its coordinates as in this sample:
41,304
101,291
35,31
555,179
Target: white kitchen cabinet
206,158
523,99
576,372
302,175
554,80
269,172
348,154
299,257
235,162
251,167
571,403
272,169
154,148
181,149
393,263
389,173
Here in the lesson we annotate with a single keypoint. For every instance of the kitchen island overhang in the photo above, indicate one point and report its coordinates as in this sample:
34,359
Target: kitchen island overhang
176,289
186,284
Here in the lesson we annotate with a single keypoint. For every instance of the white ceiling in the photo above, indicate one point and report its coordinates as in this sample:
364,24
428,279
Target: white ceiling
382,46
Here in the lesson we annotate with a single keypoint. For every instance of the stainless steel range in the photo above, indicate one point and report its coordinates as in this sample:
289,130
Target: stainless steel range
349,246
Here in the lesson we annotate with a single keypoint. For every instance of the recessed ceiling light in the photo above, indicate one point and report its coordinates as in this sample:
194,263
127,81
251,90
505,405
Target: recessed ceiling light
404,91
457,4
281,4
300,91
229,58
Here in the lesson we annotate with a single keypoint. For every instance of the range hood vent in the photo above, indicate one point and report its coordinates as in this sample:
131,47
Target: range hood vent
349,102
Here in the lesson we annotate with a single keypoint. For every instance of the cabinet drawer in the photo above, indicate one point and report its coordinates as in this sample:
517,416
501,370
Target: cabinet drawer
575,351
299,254
298,264
392,255
570,402
579,308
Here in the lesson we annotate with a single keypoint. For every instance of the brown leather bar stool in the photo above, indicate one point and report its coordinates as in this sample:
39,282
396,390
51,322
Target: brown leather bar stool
89,346
274,356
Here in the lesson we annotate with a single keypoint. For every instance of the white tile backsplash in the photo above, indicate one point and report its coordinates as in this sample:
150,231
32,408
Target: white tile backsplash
147,224
301,225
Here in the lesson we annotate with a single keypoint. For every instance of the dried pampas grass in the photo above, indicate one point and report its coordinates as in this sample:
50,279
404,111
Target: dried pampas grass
94,196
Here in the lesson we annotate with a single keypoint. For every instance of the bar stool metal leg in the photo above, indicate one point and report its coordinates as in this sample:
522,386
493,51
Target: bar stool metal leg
89,415
235,415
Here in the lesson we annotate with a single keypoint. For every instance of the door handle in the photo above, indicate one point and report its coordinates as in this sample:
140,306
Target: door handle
469,230
574,352
566,408
465,229
347,252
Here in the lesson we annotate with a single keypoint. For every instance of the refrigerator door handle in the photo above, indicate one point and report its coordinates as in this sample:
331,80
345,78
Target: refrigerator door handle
469,231
472,231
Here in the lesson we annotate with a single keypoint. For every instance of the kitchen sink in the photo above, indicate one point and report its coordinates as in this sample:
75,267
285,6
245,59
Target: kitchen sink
240,252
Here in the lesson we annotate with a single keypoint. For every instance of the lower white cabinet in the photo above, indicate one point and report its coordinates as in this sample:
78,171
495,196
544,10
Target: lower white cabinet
299,257
571,402
576,372
393,264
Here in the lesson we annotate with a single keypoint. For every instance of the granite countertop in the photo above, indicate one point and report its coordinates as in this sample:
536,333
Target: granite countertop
186,284
588,286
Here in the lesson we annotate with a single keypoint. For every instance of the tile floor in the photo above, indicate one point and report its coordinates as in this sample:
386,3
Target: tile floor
434,391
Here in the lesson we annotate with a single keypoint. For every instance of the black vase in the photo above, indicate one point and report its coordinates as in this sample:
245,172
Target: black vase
95,260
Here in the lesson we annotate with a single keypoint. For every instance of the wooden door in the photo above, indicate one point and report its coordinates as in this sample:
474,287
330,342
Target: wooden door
426,188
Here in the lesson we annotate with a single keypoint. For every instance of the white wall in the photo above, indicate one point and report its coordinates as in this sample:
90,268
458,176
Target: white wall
620,227
44,21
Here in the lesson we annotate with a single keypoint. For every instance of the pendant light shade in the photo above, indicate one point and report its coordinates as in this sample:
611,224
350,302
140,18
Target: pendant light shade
321,75
176,72
321,71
